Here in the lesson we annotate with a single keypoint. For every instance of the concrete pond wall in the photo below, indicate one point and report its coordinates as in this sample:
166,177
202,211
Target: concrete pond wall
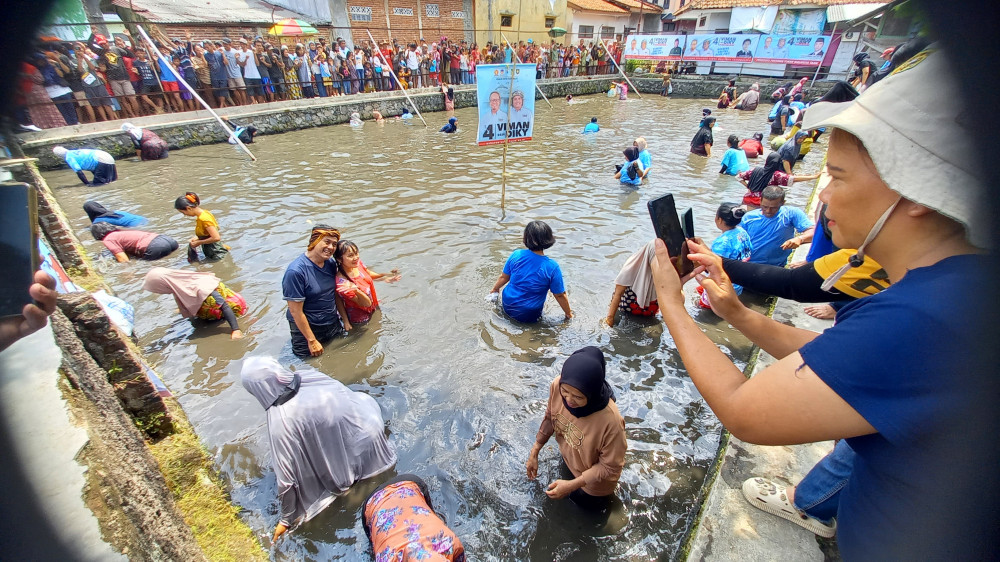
199,127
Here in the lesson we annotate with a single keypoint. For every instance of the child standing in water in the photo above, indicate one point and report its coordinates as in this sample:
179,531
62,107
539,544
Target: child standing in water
356,283
206,228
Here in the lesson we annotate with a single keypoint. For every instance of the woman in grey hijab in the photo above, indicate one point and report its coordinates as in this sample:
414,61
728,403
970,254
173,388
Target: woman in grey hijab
324,437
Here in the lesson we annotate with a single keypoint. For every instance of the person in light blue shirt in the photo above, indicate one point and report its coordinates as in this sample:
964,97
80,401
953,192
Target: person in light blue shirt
772,228
734,160
734,243
529,276
591,127
406,116
98,162
99,213
644,156
632,172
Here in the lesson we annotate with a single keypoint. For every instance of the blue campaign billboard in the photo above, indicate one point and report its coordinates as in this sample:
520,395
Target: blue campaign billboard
800,50
506,100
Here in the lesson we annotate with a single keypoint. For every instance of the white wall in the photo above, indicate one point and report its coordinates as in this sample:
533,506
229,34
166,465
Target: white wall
596,20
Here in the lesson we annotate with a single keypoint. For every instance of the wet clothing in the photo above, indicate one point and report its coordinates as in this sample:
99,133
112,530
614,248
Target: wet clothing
734,161
197,294
918,403
748,100
593,446
734,244
401,524
701,138
532,277
636,276
768,234
324,437
149,144
751,147
451,127
314,287
215,250
364,282
780,119
139,244
99,213
98,162
591,128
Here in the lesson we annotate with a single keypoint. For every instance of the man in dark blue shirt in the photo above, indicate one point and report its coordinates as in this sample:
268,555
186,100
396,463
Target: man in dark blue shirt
310,287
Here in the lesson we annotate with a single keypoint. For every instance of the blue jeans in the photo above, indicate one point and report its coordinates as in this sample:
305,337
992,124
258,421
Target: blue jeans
818,494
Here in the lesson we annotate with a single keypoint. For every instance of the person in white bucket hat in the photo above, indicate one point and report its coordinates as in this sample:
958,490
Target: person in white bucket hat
894,375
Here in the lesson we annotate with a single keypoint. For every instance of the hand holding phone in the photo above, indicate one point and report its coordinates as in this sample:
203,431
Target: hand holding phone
668,228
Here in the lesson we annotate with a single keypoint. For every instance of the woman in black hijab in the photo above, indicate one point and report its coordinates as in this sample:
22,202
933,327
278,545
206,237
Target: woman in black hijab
701,144
588,428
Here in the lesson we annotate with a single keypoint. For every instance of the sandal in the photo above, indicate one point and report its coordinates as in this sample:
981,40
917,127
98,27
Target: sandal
772,498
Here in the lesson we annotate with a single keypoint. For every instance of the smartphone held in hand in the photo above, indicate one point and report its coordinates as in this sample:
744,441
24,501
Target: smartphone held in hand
18,246
668,228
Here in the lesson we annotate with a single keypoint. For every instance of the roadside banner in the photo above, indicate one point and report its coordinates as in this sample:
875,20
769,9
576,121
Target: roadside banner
506,105
654,47
798,50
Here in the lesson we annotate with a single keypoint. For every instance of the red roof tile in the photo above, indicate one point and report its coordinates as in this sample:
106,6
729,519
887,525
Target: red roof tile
596,6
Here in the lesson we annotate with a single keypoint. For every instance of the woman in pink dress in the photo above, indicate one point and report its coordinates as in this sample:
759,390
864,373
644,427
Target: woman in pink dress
356,283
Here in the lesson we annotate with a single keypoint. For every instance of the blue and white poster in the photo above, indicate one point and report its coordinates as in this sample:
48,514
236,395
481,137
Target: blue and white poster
506,100
799,50
720,47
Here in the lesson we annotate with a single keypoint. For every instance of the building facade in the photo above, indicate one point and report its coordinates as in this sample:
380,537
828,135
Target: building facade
518,20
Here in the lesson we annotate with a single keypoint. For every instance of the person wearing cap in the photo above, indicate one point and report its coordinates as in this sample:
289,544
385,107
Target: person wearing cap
590,431
897,373
97,162
316,314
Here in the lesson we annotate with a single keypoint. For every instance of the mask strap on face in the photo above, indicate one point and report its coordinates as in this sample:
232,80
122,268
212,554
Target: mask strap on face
290,391
859,258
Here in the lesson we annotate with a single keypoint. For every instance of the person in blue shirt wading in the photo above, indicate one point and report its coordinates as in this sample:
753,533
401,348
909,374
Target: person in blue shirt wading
772,228
97,162
591,127
529,276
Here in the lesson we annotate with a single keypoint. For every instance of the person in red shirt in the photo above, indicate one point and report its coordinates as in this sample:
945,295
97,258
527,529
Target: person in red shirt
752,146
356,284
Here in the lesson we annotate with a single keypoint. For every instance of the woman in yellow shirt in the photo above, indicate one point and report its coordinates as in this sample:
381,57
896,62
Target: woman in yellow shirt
206,229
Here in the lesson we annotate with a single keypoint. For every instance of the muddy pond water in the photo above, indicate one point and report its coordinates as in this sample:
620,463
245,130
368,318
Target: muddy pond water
462,387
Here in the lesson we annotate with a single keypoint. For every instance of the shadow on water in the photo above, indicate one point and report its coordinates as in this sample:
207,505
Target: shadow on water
462,387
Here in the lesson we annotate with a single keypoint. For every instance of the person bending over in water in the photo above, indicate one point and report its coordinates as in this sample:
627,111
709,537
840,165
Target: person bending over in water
198,295
590,431
124,244
634,290
99,213
422,534
206,228
531,276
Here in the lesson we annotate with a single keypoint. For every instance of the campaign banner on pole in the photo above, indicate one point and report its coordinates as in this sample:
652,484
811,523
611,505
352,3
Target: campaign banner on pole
506,101
800,50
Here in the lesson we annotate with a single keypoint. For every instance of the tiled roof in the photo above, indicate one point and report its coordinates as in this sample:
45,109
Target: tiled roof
728,4
638,5
595,6
214,11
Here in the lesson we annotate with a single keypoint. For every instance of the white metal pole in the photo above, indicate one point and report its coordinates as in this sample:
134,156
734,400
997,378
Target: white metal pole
180,79
396,78
536,82
601,39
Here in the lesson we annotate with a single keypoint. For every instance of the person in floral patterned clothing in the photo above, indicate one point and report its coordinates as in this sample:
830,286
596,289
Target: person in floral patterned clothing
401,523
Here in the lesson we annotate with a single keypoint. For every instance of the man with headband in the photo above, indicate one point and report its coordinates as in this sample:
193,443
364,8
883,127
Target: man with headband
901,375
315,313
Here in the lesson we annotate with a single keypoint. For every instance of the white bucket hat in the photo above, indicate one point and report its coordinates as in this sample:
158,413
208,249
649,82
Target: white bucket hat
909,123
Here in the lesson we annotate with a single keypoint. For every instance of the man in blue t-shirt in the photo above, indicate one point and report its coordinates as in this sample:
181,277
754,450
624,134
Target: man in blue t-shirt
907,377
772,228
315,312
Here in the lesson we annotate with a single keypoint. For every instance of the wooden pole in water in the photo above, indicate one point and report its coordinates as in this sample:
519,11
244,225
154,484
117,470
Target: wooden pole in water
613,61
396,78
180,79
536,82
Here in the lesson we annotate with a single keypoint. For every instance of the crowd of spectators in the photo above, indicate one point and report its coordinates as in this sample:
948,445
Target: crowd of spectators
99,80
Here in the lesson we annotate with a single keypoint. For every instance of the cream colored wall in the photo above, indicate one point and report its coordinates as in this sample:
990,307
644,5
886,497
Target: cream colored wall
529,16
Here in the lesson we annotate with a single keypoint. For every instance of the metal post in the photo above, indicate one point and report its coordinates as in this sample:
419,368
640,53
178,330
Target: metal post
396,78
506,140
180,78
536,82
606,50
